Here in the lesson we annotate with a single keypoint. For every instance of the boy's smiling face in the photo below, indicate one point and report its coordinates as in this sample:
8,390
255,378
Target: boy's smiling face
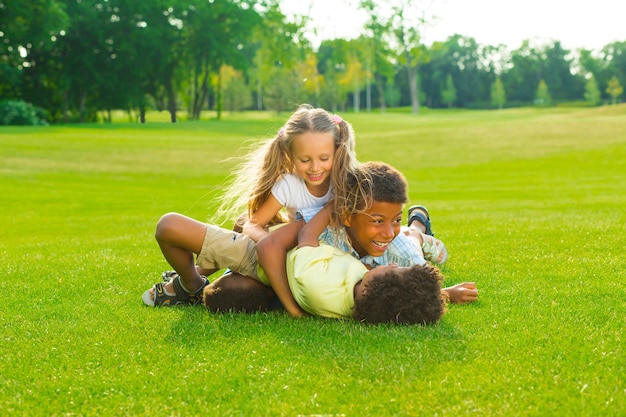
371,232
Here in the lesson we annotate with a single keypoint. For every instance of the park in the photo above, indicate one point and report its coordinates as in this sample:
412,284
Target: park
114,113
529,202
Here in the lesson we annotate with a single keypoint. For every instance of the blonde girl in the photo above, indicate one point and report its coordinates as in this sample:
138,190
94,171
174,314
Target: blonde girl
309,159
301,168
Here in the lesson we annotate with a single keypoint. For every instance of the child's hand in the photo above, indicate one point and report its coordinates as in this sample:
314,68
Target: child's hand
299,313
462,293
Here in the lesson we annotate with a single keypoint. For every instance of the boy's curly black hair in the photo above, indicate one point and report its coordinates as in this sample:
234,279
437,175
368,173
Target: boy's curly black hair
403,296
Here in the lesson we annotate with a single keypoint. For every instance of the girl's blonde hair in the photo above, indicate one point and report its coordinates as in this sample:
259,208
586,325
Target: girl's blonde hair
252,181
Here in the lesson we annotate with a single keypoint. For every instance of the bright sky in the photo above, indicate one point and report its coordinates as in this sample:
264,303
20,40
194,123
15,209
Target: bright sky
576,23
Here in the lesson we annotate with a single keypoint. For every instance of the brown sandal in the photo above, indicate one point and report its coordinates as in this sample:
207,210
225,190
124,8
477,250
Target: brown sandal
180,296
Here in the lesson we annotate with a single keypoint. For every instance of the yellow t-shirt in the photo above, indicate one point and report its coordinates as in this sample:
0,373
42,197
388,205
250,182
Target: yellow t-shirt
322,279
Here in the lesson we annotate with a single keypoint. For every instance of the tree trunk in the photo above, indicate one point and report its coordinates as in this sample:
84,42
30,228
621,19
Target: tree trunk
171,99
259,95
415,103
81,107
66,107
218,98
356,96
381,92
368,97
202,96
170,92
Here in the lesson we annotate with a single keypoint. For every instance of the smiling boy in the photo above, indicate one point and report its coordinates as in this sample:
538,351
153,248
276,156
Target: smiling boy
371,226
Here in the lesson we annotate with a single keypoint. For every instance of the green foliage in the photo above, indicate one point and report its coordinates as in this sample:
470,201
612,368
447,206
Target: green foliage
614,89
283,91
392,95
18,112
235,93
449,93
592,92
80,58
26,27
498,95
542,96
530,208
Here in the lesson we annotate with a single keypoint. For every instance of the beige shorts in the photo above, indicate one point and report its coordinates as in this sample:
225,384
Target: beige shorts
223,248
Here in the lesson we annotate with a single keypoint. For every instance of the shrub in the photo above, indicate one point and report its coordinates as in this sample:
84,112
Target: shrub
19,112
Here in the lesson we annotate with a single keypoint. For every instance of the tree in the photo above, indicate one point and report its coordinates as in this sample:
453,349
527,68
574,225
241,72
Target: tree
334,62
470,65
556,69
392,95
434,73
467,61
159,37
215,34
124,26
498,95
329,91
614,56
86,60
403,21
28,34
521,79
361,63
284,88
592,92
380,64
311,79
614,89
542,96
276,58
406,22
235,93
354,77
449,93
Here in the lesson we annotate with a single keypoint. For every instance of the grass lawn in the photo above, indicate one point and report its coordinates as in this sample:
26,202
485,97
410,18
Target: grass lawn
530,204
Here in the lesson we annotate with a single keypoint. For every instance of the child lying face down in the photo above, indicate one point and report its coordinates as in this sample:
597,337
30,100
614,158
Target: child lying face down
327,282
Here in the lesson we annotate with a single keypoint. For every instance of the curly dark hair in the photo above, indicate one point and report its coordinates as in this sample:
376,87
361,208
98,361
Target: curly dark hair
237,293
403,296
388,184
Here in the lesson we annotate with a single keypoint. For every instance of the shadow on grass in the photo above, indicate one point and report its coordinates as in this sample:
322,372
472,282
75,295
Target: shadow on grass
315,339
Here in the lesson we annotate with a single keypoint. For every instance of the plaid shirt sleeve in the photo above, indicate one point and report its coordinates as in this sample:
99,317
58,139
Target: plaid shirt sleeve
402,251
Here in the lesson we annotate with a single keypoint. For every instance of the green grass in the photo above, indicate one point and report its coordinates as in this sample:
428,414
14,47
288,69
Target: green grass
530,204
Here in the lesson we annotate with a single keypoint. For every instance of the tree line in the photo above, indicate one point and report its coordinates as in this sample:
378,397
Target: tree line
77,59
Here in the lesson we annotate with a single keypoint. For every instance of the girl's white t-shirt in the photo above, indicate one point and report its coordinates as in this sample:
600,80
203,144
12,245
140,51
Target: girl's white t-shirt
291,192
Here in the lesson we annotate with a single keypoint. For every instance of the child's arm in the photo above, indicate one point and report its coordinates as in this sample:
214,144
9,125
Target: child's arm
255,226
272,256
310,233
465,292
